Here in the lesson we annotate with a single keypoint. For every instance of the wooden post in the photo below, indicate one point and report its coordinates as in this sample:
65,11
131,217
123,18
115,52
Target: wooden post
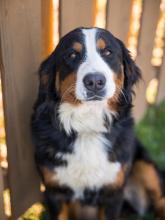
118,18
20,25
76,13
148,27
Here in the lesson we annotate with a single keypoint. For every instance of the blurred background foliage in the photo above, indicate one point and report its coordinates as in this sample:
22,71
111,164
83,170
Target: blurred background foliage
151,131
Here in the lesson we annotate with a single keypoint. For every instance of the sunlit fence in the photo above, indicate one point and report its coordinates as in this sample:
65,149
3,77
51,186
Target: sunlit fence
29,31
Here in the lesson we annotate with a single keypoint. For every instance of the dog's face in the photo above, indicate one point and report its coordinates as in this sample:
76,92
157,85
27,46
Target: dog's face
89,64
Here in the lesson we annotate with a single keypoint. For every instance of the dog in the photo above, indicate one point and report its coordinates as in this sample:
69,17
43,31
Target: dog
83,130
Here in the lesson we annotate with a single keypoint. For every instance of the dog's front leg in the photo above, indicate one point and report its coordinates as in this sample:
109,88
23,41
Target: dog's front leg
58,210
112,204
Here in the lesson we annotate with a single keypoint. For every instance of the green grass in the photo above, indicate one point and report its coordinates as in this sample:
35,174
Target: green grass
151,131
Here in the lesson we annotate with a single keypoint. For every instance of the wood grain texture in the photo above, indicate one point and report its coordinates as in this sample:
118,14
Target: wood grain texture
118,18
146,41
76,13
20,26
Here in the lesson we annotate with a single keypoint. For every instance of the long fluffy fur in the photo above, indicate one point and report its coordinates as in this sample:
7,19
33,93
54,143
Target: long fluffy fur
88,154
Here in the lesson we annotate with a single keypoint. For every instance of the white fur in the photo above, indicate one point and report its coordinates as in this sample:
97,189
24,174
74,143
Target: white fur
93,63
88,166
87,117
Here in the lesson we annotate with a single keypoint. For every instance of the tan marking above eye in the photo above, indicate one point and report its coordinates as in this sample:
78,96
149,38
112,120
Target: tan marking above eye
77,47
101,44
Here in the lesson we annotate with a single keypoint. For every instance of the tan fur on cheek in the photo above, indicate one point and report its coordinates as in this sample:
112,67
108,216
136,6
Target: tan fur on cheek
67,89
119,82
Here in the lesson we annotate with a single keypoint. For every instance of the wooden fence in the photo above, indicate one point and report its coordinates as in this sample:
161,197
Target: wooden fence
24,32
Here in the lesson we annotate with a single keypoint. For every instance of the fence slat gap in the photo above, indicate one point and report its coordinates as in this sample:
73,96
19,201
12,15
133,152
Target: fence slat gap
134,26
157,58
100,13
143,59
55,22
158,47
2,205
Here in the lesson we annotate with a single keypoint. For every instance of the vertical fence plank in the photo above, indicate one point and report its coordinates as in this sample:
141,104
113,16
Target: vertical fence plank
76,13
118,18
2,215
47,27
146,41
161,89
21,44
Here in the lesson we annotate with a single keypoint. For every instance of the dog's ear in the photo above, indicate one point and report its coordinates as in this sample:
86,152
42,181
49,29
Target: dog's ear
131,70
47,76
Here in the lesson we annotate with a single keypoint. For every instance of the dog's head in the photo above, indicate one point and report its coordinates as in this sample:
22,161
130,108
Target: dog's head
89,64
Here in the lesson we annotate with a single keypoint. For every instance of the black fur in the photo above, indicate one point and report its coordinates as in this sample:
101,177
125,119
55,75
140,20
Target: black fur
50,138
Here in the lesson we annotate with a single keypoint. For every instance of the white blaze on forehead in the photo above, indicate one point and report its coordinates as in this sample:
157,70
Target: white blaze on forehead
93,62
90,46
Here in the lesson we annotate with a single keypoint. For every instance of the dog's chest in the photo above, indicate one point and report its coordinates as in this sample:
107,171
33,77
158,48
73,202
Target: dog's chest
88,166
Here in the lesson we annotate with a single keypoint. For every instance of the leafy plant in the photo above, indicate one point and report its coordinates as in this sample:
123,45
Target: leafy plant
151,131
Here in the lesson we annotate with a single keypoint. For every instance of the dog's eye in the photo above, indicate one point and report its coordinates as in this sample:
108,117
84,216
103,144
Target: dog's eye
72,55
106,52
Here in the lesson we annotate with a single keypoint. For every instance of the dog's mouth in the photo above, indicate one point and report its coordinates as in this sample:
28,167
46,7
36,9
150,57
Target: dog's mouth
95,98
98,96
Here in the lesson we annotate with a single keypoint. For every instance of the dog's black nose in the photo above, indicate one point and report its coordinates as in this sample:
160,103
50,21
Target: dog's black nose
94,81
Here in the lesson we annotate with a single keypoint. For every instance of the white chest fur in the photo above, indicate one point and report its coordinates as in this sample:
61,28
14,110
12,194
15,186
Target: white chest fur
88,166
87,117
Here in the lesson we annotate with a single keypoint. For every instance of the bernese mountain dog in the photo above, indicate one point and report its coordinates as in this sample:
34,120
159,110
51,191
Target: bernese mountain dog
85,147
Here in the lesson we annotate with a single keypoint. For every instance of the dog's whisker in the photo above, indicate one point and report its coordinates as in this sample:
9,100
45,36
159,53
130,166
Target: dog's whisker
122,92
68,90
